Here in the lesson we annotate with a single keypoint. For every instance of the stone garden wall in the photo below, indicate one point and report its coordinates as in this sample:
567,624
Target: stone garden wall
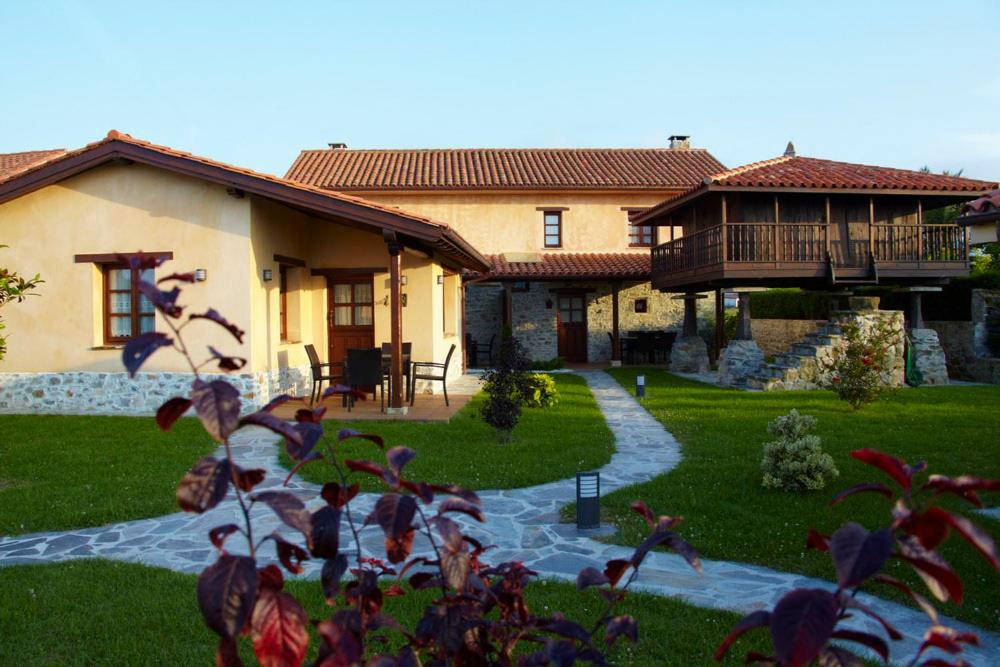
484,314
776,337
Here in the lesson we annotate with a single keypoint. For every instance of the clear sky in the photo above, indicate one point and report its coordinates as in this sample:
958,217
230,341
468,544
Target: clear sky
894,83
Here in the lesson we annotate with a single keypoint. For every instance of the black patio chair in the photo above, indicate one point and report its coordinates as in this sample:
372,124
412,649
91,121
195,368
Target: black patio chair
387,360
429,370
475,351
364,369
336,373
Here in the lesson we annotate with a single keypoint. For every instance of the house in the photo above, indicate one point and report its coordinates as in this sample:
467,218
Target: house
982,218
567,272
290,263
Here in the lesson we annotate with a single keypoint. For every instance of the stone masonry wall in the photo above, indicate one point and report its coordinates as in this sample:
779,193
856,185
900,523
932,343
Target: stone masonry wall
484,313
964,343
117,394
776,337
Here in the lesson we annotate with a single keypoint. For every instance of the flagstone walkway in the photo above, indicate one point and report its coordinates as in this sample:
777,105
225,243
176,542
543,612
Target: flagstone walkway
522,523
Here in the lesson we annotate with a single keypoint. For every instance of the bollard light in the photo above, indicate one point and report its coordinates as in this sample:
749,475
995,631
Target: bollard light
588,500
640,386
200,275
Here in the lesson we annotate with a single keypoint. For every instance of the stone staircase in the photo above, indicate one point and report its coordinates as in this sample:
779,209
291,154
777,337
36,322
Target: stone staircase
802,366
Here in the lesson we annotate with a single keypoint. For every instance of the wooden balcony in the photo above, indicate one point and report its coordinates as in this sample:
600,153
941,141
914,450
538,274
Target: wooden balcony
809,254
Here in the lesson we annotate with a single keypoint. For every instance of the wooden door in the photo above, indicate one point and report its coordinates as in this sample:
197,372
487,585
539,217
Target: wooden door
572,327
351,314
849,233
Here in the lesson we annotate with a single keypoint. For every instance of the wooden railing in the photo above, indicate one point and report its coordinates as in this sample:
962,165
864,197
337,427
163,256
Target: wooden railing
768,242
809,242
702,248
919,243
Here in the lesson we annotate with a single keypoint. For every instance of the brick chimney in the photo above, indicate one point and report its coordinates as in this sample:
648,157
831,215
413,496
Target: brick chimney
337,145
679,142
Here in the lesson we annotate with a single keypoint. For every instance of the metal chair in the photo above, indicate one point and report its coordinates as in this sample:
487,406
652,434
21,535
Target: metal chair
429,370
316,366
364,369
475,351
387,359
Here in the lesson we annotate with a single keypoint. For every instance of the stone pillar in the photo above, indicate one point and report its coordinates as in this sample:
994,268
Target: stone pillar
742,357
616,344
689,353
928,355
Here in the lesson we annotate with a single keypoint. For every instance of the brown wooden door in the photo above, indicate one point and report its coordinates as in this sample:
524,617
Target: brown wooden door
572,327
351,314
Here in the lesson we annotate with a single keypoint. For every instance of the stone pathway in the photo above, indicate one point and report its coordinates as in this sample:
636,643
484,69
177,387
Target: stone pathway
522,523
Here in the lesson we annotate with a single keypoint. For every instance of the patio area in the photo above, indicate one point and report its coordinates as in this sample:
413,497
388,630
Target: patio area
426,407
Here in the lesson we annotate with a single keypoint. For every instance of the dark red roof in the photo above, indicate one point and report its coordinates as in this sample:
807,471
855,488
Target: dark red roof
503,168
118,144
808,173
11,163
566,265
984,209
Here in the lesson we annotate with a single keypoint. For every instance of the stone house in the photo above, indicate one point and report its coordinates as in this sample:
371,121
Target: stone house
553,224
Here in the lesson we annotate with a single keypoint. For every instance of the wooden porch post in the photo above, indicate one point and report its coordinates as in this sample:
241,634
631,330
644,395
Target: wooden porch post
920,233
395,324
508,310
720,323
616,349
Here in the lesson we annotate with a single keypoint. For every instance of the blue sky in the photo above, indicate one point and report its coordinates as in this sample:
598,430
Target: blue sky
894,83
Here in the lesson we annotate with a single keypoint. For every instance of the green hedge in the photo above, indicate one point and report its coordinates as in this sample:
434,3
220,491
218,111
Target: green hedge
789,304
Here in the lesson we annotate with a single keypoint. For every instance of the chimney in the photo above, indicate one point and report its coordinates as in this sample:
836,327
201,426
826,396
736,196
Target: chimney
680,142
790,150
337,145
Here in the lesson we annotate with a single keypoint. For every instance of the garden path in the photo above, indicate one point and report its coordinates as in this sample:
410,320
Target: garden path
522,523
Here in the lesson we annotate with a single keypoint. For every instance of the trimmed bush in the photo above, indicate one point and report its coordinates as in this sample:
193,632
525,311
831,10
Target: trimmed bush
795,461
539,391
553,364
789,304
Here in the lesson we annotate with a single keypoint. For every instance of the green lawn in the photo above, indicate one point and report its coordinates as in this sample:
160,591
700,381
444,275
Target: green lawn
95,612
548,444
60,472
728,515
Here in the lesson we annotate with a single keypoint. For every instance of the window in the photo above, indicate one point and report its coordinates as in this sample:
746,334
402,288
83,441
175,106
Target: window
553,229
352,304
641,306
127,312
283,300
520,286
641,237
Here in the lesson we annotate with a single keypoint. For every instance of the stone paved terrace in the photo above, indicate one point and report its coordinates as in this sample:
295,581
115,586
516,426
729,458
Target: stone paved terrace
522,523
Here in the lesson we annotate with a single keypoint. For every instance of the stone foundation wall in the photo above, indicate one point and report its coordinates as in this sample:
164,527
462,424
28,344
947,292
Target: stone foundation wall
117,394
965,343
776,337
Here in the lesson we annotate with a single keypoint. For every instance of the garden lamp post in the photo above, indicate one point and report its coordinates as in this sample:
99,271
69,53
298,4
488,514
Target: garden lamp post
588,500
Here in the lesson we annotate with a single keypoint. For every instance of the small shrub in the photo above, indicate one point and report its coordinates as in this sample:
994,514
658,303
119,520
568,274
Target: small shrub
859,372
540,391
789,304
505,383
795,461
553,364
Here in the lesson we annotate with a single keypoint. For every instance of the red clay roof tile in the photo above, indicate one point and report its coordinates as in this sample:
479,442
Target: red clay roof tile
564,265
503,168
12,163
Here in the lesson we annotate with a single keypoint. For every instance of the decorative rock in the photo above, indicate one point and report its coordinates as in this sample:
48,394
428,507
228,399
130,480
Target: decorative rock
929,356
689,355
738,361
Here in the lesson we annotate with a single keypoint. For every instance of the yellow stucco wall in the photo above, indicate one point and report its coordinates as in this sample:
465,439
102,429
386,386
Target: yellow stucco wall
118,208
510,222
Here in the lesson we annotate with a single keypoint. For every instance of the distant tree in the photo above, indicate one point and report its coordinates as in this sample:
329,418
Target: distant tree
13,288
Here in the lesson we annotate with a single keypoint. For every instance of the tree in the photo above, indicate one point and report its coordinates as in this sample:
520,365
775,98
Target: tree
13,288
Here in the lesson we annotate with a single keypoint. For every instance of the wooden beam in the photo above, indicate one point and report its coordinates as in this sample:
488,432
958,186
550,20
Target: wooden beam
826,232
616,349
365,270
112,257
920,232
720,322
395,323
289,261
723,234
871,227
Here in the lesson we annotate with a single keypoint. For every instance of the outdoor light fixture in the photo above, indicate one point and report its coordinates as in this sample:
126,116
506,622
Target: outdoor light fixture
441,280
403,280
548,304
402,300
588,500
640,386
200,275
267,274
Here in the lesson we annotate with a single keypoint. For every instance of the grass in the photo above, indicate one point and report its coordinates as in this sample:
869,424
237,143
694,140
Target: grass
96,612
61,472
548,444
728,515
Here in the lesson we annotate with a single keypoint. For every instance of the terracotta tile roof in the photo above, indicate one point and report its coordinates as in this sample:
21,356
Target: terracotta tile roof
448,240
504,168
11,163
984,209
565,265
791,171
